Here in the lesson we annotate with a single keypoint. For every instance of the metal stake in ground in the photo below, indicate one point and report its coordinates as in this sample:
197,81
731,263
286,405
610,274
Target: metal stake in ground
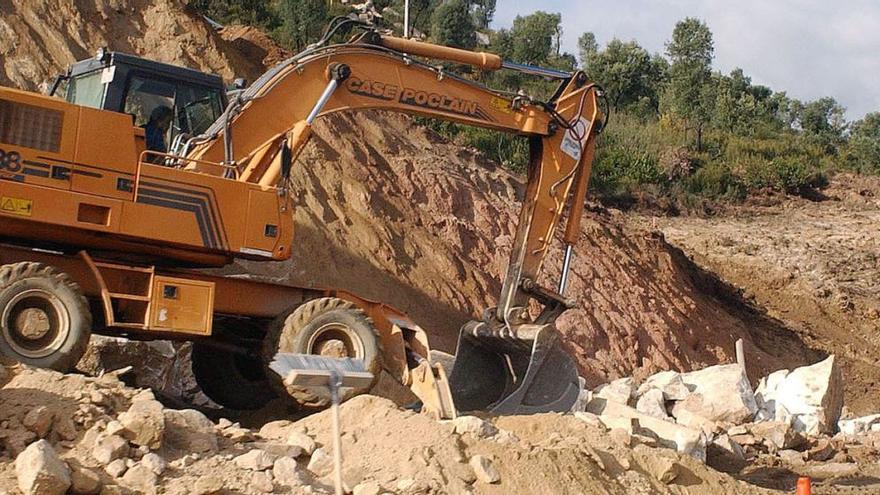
332,373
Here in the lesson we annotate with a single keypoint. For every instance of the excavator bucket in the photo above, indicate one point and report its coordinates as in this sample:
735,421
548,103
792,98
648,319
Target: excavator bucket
527,374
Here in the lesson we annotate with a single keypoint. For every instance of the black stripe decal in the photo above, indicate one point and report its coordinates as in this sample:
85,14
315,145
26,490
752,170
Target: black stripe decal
36,172
197,206
194,209
14,178
216,215
87,165
37,164
88,174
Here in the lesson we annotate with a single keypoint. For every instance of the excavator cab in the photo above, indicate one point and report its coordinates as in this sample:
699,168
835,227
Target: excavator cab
136,86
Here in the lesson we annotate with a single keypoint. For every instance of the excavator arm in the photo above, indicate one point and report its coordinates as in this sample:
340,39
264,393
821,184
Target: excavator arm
509,361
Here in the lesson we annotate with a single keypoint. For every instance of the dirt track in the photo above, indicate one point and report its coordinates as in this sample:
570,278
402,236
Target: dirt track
814,266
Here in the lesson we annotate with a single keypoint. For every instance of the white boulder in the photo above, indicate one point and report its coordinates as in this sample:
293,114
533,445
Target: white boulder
719,393
812,395
40,471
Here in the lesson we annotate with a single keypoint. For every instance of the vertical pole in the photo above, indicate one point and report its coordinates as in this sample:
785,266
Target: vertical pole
335,382
406,18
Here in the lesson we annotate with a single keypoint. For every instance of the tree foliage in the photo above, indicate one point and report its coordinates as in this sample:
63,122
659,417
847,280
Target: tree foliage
302,21
453,25
628,73
689,94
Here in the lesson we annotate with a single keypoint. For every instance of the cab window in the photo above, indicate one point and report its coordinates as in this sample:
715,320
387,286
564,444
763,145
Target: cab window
87,90
145,95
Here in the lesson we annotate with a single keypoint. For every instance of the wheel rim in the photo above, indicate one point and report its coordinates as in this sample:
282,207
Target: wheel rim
336,340
35,323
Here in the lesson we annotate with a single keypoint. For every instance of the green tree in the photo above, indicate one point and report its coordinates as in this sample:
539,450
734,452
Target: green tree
823,118
864,144
453,25
628,73
302,21
587,46
484,11
535,38
689,94
252,12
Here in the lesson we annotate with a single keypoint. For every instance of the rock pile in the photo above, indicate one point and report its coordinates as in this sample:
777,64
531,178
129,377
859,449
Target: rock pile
81,435
714,415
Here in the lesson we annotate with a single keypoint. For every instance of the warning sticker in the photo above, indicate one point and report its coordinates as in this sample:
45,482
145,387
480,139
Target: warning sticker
576,138
16,206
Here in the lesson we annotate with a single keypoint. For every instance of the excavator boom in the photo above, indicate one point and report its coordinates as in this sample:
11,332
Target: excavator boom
510,361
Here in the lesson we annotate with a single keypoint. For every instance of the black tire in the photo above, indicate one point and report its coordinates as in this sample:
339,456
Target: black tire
327,326
45,319
231,379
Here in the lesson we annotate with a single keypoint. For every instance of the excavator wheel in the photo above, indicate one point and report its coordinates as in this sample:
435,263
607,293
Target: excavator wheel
231,379
329,327
45,319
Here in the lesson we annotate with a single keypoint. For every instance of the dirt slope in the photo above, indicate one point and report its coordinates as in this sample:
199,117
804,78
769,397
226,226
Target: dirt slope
813,265
392,211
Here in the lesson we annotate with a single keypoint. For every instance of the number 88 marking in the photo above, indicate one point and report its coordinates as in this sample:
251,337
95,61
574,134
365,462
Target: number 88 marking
10,161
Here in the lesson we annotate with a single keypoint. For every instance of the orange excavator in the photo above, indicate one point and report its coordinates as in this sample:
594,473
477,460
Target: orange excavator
105,228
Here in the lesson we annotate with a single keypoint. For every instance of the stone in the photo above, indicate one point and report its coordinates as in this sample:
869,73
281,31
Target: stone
40,471
832,470
114,428
857,426
589,418
65,428
208,485
662,468
224,423
108,448
276,430
116,468
585,395
38,420
696,422
262,482
144,423
287,472
719,393
777,435
141,478
823,451
303,441
255,460
653,403
791,456
84,481
728,447
812,395
668,382
620,437
155,462
190,430
629,425
484,470
367,488
474,426
620,391
682,439
321,462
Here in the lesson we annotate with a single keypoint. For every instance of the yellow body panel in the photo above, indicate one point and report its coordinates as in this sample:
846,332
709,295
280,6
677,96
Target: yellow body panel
183,306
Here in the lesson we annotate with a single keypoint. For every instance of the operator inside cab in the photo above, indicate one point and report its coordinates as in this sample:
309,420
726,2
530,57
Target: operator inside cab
156,129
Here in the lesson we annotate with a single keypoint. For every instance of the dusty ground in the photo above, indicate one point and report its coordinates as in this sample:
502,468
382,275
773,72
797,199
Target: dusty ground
813,265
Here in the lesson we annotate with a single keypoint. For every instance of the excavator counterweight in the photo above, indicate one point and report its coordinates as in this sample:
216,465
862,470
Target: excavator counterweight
149,172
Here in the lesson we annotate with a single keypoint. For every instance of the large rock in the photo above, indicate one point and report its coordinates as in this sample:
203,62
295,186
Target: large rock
144,423
40,471
858,426
108,448
621,391
653,403
668,382
190,430
811,395
671,435
718,393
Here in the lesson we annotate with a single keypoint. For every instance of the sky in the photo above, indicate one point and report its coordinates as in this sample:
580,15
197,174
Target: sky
807,48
